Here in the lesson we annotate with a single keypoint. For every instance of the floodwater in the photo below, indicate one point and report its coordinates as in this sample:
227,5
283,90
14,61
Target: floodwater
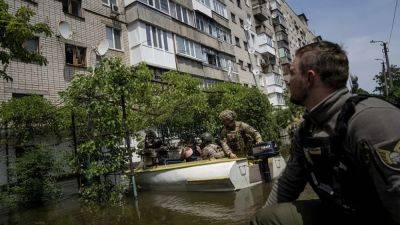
152,208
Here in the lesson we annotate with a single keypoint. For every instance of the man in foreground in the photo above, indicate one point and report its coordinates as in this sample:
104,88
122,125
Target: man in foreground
347,149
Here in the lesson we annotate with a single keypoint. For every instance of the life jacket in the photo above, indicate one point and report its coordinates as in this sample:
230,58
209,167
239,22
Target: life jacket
334,173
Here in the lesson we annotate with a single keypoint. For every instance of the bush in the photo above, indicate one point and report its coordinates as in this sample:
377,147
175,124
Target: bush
32,180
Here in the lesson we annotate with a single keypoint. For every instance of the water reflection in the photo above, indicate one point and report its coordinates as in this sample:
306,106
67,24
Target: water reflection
152,208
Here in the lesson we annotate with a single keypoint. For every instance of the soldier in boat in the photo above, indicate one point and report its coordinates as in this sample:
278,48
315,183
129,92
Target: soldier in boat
210,150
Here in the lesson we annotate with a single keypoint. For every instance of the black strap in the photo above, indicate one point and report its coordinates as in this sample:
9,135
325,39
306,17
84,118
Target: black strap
347,111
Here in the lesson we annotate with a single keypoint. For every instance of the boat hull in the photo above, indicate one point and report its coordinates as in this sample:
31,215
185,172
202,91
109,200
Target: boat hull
205,175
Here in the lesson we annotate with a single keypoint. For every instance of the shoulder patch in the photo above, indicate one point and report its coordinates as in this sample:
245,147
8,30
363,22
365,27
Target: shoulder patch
389,154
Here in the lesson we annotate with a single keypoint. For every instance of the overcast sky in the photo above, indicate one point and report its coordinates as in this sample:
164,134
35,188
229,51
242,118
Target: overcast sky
354,23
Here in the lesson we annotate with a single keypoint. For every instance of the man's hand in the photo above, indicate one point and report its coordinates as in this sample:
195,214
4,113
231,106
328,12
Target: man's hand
232,156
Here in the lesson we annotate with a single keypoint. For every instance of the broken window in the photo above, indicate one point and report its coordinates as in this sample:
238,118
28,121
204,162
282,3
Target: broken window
75,55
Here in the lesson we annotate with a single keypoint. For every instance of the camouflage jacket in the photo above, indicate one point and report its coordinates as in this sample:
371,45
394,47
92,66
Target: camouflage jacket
212,151
240,139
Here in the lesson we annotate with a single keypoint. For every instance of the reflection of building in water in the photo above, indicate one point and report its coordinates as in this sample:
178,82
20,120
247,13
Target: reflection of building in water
228,206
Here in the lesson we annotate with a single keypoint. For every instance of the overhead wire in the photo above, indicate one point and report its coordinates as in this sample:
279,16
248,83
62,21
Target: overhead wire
393,21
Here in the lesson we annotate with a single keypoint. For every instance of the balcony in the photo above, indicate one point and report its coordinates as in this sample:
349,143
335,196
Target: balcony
203,8
260,10
282,36
260,29
283,44
264,45
279,21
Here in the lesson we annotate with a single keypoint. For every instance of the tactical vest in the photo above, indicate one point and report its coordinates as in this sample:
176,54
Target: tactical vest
335,175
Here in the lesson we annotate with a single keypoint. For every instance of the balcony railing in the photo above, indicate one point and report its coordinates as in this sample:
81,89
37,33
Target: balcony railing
260,10
263,29
279,20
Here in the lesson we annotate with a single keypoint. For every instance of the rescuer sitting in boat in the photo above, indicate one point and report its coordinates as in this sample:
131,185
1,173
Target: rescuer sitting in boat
152,148
186,149
209,150
237,138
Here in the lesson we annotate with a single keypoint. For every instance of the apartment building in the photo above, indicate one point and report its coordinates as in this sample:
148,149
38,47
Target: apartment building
241,41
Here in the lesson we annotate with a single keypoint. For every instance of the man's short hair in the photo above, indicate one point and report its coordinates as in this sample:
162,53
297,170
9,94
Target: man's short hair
328,60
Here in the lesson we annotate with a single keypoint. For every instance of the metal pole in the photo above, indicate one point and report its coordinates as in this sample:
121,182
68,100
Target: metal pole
7,156
75,143
128,145
389,74
385,77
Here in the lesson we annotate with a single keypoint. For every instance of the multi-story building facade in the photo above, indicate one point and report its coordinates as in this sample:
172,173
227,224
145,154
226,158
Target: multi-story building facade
241,41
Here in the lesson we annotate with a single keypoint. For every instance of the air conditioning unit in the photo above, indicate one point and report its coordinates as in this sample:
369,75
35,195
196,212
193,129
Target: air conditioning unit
114,9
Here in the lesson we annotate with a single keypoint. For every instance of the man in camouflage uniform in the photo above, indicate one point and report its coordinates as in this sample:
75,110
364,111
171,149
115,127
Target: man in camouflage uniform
237,138
152,146
209,149
347,148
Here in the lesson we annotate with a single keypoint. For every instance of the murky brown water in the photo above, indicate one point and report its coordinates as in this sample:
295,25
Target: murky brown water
158,208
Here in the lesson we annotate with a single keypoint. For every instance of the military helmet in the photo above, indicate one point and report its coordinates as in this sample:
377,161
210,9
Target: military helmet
206,137
227,114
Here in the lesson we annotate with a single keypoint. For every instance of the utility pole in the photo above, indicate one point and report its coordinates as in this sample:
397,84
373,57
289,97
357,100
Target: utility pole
386,55
384,74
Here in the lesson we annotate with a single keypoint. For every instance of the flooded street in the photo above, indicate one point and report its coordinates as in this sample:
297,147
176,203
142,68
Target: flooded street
152,208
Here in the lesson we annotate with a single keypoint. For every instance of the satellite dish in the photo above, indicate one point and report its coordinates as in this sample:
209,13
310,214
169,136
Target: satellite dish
102,47
252,50
65,30
256,72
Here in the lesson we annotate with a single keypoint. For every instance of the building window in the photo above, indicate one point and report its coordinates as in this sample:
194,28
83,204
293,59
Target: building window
238,3
73,7
237,42
233,17
249,66
156,37
110,2
189,48
162,5
246,46
181,13
75,56
114,38
241,64
210,27
205,2
31,45
220,8
241,22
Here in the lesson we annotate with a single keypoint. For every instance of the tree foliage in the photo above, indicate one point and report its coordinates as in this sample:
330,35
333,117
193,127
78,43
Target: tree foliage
394,95
32,180
98,101
15,30
27,122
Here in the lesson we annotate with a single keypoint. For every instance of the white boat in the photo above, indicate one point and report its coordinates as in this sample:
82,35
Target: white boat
206,175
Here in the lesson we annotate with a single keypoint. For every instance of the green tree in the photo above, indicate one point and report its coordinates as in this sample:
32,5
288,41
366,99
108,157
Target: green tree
394,94
179,106
27,122
15,30
33,182
99,101
250,104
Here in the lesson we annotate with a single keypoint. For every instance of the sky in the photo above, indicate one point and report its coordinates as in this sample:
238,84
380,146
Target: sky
353,24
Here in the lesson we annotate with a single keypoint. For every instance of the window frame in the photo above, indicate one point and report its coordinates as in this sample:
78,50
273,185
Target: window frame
37,40
113,29
74,56
108,4
69,11
160,35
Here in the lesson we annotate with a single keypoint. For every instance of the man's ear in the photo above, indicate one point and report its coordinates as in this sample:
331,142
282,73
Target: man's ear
311,77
